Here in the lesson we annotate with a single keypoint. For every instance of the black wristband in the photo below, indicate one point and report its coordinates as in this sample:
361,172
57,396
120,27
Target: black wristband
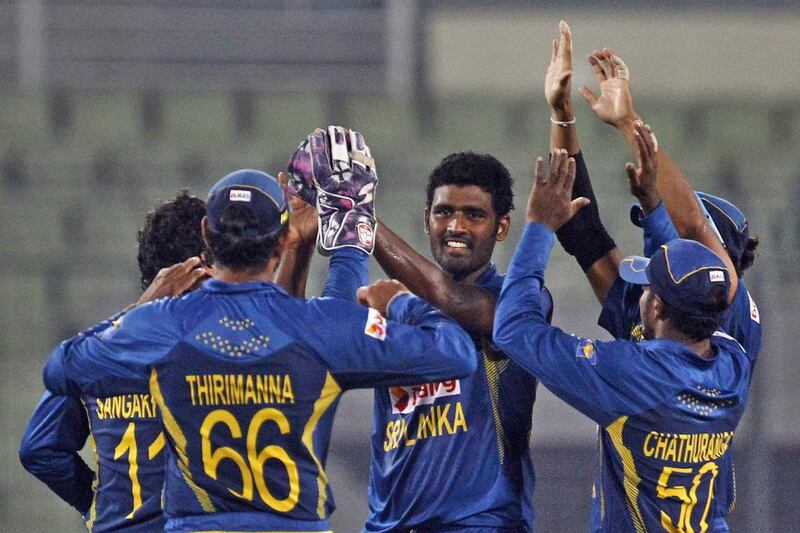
584,236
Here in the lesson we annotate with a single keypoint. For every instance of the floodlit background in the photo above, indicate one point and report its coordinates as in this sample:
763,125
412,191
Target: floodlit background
109,107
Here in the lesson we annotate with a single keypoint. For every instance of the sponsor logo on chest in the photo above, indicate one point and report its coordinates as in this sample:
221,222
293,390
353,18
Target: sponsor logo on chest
406,399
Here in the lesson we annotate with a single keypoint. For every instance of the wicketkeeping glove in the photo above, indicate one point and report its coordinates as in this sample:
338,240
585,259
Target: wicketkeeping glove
336,172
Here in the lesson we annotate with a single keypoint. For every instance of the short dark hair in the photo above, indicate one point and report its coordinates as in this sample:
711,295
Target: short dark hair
748,256
170,234
471,168
237,244
699,327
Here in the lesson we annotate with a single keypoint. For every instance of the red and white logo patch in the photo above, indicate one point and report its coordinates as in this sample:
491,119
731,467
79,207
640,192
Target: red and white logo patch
754,310
376,325
365,233
406,399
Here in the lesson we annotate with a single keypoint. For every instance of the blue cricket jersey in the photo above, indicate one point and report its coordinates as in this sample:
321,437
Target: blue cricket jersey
124,492
455,453
620,315
667,417
247,378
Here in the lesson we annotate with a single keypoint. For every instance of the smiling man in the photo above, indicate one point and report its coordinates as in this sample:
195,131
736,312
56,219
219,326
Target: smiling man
454,456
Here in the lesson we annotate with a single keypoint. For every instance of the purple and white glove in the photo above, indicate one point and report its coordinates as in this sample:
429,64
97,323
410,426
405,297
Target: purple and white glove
334,171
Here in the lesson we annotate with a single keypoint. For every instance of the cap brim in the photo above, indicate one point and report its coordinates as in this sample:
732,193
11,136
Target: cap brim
634,270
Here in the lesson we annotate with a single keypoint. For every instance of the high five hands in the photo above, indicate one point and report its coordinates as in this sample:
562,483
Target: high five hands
550,202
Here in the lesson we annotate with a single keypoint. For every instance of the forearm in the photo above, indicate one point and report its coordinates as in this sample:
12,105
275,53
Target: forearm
295,265
520,320
585,237
348,270
470,306
49,449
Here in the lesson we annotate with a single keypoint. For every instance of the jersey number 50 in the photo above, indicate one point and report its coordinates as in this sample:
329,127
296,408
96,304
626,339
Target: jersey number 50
687,497
252,470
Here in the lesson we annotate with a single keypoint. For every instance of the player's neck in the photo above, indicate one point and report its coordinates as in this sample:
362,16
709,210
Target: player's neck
472,277
702,347
230,275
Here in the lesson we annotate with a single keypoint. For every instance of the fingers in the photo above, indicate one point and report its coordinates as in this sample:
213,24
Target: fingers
588,95
577,204
569,178
599,73
565,79
566,40
539,175
554,55
319,154
622,69
359,151
284,181
362,296
338,138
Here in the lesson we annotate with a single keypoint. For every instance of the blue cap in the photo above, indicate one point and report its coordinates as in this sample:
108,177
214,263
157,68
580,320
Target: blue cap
254,190
729,219
682,272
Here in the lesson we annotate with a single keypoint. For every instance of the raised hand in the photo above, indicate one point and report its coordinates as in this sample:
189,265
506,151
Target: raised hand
558,79
615,104
336,169
379,294
642,176
550,200
303,220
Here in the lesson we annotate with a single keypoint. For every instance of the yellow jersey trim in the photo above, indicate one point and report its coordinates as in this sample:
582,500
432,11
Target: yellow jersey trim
93,508
493,381
682,279
631,478
179,439
330,391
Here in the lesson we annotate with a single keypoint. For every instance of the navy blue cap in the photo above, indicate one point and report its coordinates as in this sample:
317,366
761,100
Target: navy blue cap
729,220
682,272
254,190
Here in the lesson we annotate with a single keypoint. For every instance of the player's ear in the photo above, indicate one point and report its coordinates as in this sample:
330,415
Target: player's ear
204,229
503,225
426,221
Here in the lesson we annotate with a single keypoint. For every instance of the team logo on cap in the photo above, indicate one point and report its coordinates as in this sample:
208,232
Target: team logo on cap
237,195
406,399
365,233
716,275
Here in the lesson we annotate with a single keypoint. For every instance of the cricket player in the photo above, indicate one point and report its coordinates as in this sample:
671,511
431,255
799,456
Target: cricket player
247,378
452,455
668,406
124,491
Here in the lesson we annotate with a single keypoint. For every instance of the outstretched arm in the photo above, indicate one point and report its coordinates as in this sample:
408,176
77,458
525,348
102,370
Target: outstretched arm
472,307
584,236
615,106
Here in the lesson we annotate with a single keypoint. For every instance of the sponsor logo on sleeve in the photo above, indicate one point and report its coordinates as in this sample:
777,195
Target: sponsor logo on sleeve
716,275
406,399
754,310
376,325
237,195
585,350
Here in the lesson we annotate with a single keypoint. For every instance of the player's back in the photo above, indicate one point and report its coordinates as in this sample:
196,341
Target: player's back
246,379
128,447
667,466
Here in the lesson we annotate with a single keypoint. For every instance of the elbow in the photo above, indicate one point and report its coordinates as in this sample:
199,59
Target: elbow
30,457
504,335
